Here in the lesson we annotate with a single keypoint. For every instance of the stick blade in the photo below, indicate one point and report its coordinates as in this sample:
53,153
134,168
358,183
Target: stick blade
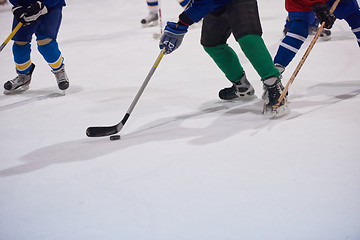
275,113
101,131
280,112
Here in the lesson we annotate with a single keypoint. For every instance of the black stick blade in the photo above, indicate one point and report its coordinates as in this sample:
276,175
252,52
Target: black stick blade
101,131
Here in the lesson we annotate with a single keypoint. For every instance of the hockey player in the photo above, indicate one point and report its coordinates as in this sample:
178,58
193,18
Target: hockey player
300,17
153,6
221,18
313,28
43,19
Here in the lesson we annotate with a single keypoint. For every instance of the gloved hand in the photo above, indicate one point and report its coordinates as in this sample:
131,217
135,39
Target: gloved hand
172,36
34,11
19,13
322,12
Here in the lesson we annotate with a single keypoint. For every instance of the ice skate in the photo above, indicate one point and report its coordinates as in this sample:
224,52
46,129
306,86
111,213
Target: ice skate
150,20
272,92
325,34
240,90
61,78
20,83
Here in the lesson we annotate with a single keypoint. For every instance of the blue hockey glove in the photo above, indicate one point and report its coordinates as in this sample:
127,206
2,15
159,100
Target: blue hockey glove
322,12
172,36
34,11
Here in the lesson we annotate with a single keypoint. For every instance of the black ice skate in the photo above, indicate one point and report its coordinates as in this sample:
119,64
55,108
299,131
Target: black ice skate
20,83
61,78
239,90
150,20
272,92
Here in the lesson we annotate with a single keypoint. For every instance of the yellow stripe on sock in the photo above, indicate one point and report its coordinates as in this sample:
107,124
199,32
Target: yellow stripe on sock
23,66
180,2
57,63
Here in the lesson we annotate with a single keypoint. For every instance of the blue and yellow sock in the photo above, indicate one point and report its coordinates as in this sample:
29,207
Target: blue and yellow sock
21,52
51,53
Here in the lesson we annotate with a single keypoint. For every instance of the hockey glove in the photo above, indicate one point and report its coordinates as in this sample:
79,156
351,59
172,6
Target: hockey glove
19,13
322,12
34,11
172,36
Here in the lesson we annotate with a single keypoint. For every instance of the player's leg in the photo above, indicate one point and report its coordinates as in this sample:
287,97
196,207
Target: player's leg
152,18
350,12
246,27
21,50
46,34
294,38
354,22
214,35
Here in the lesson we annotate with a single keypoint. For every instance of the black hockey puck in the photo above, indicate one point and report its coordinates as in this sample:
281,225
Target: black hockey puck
114,137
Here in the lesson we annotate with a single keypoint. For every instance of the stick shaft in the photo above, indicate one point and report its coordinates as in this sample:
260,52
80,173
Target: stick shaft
146,81
10,36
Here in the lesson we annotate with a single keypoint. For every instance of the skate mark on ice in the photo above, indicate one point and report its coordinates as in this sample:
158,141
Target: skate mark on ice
29,100
28,95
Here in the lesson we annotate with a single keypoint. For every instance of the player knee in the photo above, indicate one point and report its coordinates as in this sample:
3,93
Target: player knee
44,41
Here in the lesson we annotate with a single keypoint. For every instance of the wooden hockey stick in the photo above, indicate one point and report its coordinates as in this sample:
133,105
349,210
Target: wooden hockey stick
10,36
302,61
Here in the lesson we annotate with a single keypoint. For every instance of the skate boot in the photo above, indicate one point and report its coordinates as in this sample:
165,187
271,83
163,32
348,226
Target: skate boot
280,68
20,83
61,78
325,34
285,31
272,92
150,20
238,90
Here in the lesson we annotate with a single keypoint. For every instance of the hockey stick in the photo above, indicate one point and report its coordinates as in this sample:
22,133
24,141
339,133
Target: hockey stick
302,61
110,130
10,36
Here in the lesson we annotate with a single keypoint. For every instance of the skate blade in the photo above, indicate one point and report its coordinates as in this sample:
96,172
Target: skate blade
17,90
150,24
245,98
325,38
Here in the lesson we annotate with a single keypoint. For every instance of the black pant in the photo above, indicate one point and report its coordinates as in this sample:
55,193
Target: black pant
240,17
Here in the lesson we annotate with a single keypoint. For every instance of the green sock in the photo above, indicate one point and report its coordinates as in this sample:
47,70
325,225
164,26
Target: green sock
227,60
255,50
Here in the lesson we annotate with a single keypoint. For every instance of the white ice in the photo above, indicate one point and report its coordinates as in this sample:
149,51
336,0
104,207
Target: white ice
188,166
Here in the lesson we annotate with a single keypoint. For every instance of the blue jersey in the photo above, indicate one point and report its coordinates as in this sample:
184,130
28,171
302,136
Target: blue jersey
200,8
47,3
